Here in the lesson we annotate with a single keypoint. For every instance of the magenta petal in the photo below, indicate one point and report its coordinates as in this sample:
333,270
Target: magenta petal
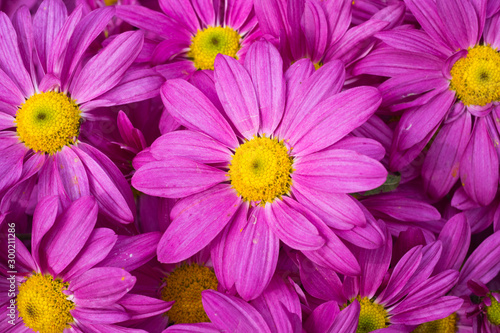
176,178
460,22
131,252
292,227
482,265
402,272
402,208
190,107
333,119
10,93
140,306
231,314
97,247
258,257
337,210
237,95
103,71
191,145
371,236
339,171
320,282
47,22
43,219
71,231
441,308
24,27
49,182
442,163
85,32
365,146
455,237
237,12
107,184
192,328
73,174
321,319
315,27
347,320
101,287
182,11
202,217
479,165
10,57
265,66
425,11
100,316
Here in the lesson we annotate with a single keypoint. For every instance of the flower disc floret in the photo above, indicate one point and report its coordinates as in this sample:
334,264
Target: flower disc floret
476,78
261,169
493,311
209,42
48,121
43,306
445,325
184,286
372,316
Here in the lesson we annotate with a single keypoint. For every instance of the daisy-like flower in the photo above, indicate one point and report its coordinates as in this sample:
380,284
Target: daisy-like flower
240,170
277,309
49,88
446,77
72,280
191,33
320,30
391,300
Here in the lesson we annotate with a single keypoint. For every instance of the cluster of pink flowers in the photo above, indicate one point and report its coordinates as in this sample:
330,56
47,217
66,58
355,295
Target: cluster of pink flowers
274,166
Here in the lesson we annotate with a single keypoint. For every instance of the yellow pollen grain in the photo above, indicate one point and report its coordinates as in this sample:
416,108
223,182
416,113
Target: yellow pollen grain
42,305
184,286
445,325
261,169
209,42
48,121
476,78
493,311
372,316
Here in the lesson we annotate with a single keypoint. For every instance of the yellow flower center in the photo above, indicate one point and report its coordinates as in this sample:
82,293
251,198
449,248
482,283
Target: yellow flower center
110,2
209,42
317,65
493,311
445,325
184,286
48,121
372,316
43,306
260,170
476,78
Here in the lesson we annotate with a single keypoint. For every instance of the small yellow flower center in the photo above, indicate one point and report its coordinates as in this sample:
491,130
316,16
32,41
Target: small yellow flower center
43,306
445,325
317,65
493,311
110,2
48,121
184,286
372,316
476,78
260,170
209,42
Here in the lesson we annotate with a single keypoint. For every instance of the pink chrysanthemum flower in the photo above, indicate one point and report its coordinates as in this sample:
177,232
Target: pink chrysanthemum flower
191,33
49,88
72,280
446,76
240,170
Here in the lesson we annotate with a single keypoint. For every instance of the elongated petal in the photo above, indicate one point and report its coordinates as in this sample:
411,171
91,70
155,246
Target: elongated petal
73,228
102,286
347,320
258,257
106,69
479,166
73,174
100,316
263,63
441,166
293,228
455,237
193,228
334,118
232,314
43,219
10,57
237,95
194,110
315,26
192,328
460,22
321,319
440,309
191,145
140,306
97,247
47,22
339,171
320,282
176,178
182,11
402,208
24,27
